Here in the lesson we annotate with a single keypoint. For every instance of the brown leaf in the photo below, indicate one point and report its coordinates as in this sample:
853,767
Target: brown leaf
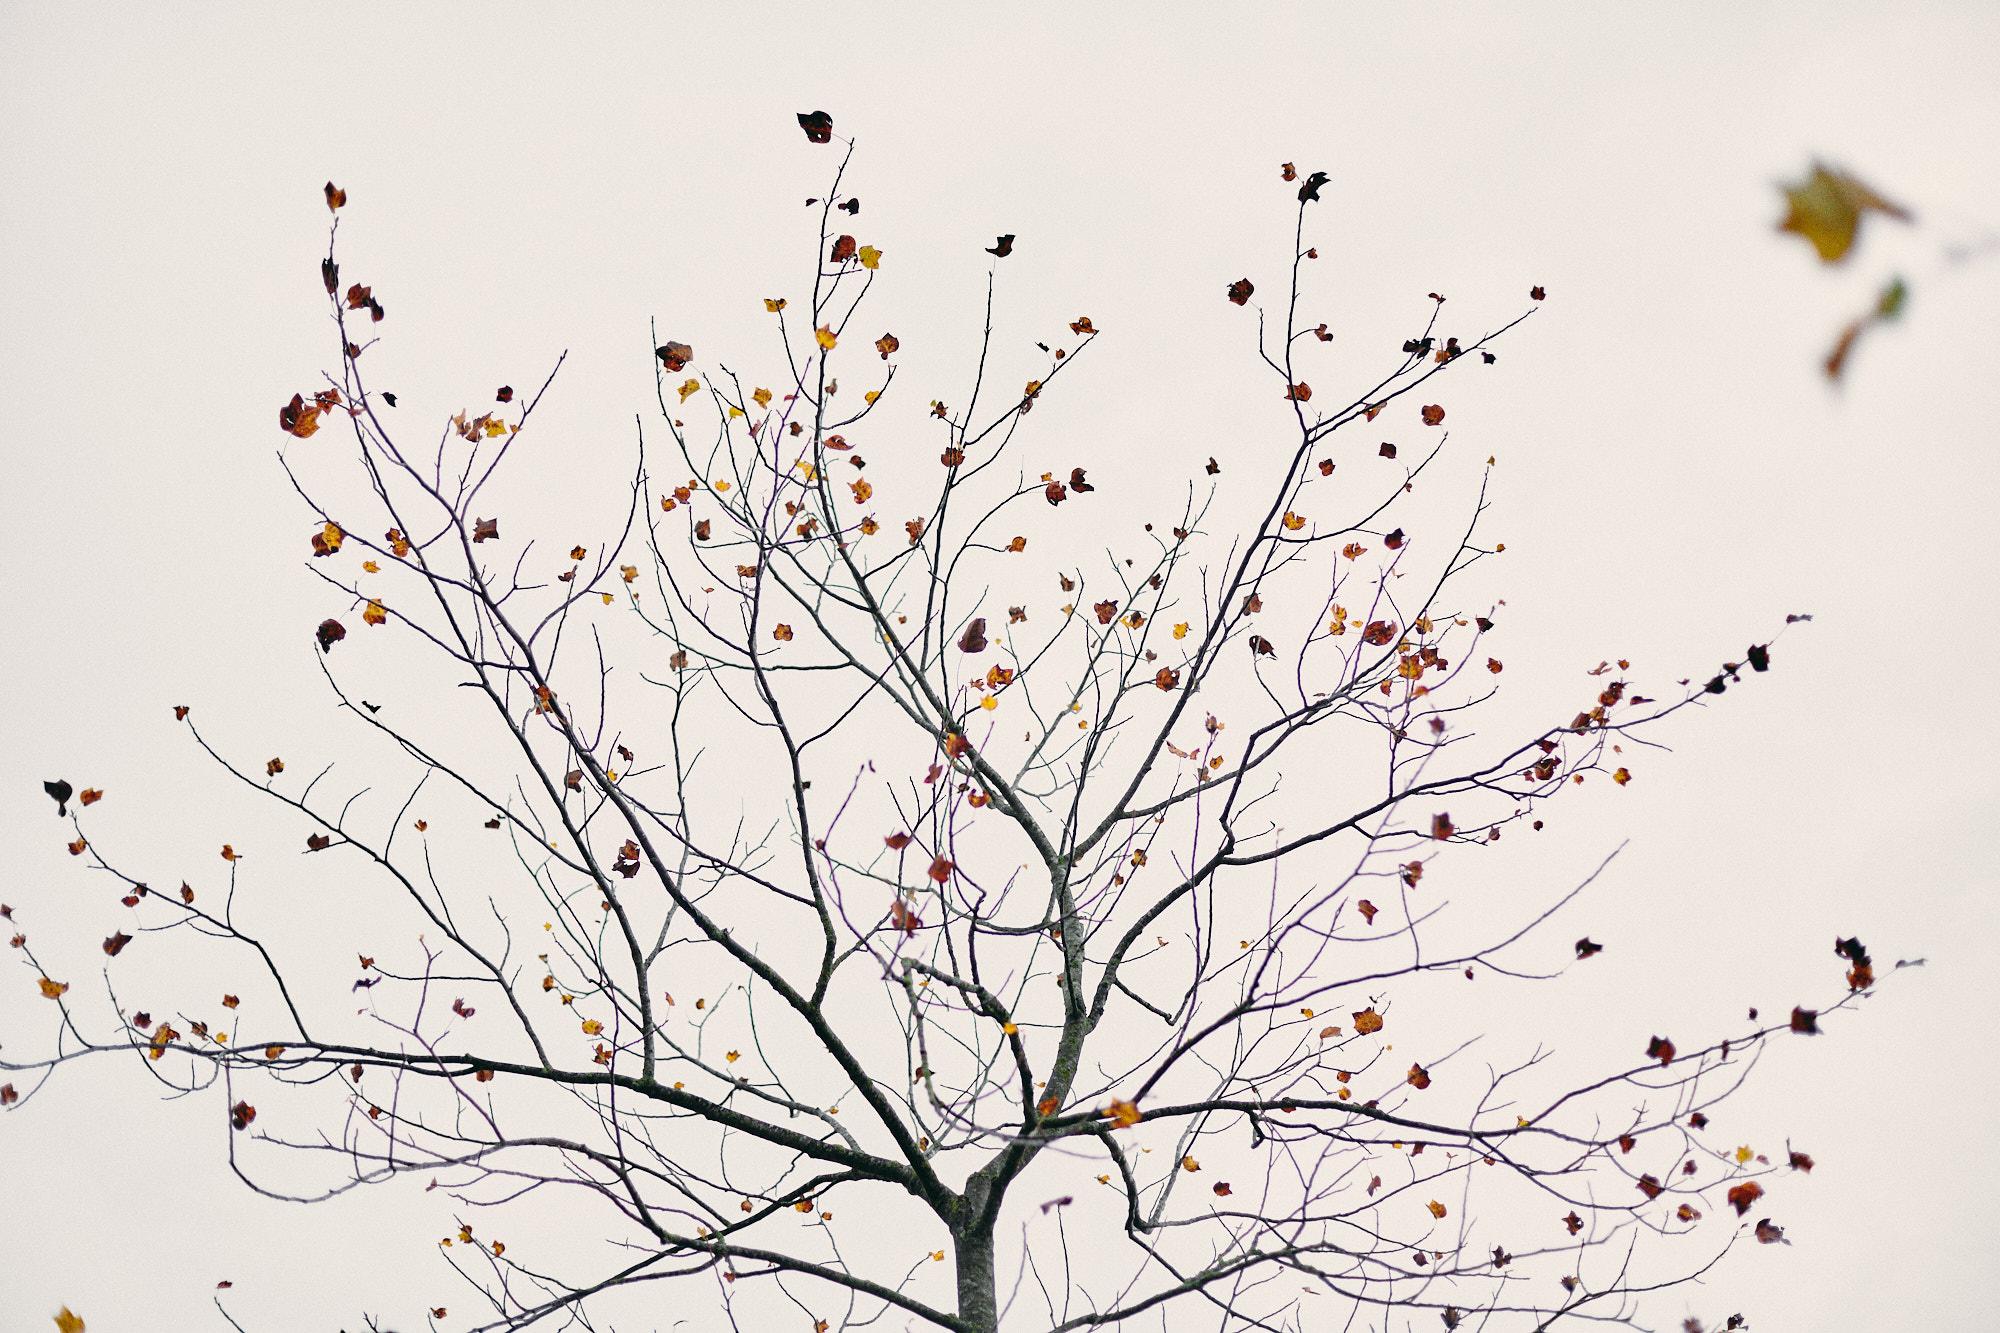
674,356
1743,1197
335,197
1002,246
817,125
1661,1049
974,638
329,633
115,944
1240,291
1433,414
485,529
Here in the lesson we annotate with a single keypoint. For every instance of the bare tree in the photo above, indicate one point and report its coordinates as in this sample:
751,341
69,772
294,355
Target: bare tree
903,940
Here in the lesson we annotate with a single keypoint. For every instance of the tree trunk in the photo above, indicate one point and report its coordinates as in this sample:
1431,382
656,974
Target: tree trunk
978,1299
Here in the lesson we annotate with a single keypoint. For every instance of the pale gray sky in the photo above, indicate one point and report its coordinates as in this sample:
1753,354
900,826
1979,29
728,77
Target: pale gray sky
1674,475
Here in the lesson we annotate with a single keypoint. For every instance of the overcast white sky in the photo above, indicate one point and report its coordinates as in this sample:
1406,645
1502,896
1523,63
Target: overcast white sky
1674,474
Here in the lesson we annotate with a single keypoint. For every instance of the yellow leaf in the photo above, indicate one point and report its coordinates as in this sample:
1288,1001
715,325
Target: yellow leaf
591,1027
1293,522
1123,1114
1743,1155
774,304
608,598
870,257
1009,1028
67,1322
989,703
1437,1209
689,388
1826,209
53,990
1181,630
370,567
733,1056
827,341
871,396
375,613
761,397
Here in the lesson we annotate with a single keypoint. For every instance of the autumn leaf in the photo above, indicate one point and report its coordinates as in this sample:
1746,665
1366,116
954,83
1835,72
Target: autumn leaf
887,344
1742,1197
374,613
1122,1114
1418,1077
1240,291
1826,208
241,1114
115,944
59,792
1433,415
1586,947
335,197
674,356
1367,1022
298,418
1661,1049
52,990
485,529
1002,246
824,335
974,638
1437,1209
817,125
870,257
